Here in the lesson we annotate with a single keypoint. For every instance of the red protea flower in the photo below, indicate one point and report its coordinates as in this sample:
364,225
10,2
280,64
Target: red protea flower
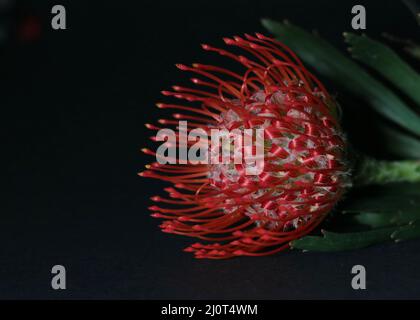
304,171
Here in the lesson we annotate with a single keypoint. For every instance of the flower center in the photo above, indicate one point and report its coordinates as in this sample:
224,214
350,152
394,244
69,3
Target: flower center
303,168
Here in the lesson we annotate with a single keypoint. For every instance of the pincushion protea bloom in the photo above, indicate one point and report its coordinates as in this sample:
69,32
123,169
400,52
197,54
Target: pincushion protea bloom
304,170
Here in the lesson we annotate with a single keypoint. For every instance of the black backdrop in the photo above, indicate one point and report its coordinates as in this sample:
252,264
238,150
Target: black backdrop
73,107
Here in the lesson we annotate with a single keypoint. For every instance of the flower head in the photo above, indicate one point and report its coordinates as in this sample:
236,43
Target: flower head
303,173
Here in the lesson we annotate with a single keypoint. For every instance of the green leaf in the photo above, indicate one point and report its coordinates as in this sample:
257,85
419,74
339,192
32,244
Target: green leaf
386,62
386,219
331,241
330,62
374,220
394,205
413,50
409,46
410,231
400,143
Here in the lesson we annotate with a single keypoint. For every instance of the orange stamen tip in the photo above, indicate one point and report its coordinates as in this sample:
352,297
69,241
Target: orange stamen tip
228,41
147,151
243,59
181,66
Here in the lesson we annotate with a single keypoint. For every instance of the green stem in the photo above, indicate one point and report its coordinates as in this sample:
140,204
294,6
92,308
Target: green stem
371,171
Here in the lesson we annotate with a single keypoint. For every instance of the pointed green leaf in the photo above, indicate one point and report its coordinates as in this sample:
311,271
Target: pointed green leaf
331,241
386,219
410,46
410,231
413,50
400,143
330,62
374,219
392,205
386,62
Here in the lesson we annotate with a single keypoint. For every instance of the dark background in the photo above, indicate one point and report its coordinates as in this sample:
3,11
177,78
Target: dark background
73,107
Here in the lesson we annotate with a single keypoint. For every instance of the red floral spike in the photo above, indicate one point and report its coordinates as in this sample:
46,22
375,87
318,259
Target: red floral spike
304,173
